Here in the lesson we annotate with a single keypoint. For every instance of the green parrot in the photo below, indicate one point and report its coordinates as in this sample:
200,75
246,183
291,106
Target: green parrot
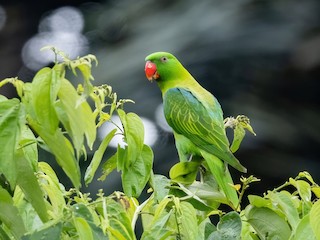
195,117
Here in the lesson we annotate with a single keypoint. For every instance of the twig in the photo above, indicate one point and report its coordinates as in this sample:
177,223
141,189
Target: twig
138,211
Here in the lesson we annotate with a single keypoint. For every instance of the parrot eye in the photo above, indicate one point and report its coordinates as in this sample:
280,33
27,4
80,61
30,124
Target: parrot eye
164,59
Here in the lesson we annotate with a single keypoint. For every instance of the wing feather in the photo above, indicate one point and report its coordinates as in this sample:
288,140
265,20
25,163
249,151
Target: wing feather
188,116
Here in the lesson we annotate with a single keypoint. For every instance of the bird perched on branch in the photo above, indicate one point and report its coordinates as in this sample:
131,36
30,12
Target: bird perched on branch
195,116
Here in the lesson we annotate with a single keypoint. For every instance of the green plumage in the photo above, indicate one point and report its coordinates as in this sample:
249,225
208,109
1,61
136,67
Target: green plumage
195,116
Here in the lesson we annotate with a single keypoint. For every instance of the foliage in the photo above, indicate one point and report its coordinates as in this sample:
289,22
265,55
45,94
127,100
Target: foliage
63,120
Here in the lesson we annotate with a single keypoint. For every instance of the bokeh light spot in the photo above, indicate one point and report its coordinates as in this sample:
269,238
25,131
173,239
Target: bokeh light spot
73,44
61,29
64,19
161,120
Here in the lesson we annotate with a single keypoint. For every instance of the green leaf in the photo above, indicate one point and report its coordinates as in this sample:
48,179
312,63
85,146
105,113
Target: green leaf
62,149
210,196
44,90
3,98
77,119
82,211
133,135
28,143
29,215
258,201
42,118
303,230
304,189
188,219
83,228
160,185
157,231
314,218
53,231
9,215
308,176
97,157
246,232
267,223
160,217
205,229
120,223
239,124
121,157
135,177
47,169
283,200
184,172
108,167
84,65
28,183
97,232
148,208
208,228
202,196
3,234
10,114
316,191
86,71
90,130
51,186
239,134
229,227
70,115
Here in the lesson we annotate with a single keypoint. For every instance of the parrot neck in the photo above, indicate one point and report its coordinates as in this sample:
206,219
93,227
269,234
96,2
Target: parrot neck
165,86
190,84
183,80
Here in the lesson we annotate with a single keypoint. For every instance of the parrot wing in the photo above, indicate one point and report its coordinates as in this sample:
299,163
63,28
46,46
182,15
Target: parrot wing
204,127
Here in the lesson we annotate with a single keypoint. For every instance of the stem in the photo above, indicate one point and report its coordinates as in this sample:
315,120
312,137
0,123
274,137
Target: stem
105,213
244,187
117,126
137,212
178,224
281,186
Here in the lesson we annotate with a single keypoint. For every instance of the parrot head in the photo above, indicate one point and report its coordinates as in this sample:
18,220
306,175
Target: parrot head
161,66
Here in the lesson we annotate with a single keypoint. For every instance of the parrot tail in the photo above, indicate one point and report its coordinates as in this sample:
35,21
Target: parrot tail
222,176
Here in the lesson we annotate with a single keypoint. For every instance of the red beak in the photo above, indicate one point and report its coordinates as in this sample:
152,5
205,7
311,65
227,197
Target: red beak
151,71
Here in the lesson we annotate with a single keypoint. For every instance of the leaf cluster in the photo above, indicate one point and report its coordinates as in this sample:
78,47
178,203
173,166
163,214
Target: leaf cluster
63,120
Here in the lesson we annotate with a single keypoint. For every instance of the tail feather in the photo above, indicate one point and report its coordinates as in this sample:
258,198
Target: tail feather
222,175
234,162
226,156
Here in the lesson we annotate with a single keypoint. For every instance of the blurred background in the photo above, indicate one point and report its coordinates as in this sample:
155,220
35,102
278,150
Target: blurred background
259,58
